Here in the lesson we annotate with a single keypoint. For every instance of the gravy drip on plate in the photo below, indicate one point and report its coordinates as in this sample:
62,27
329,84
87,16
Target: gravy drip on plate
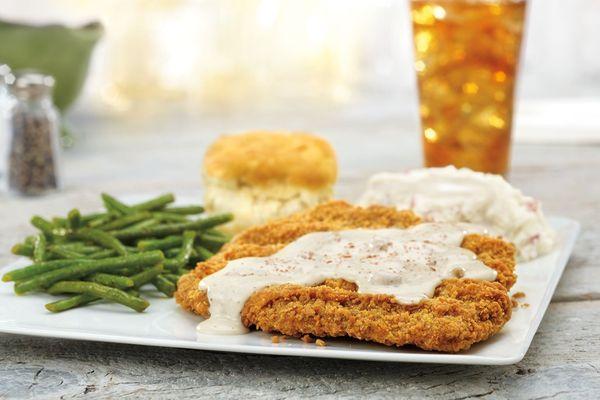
405,263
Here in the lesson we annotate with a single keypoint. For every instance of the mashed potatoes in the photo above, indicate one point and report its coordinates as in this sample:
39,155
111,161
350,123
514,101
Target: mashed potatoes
461,195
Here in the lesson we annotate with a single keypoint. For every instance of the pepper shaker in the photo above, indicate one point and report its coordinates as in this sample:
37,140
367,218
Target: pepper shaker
33,154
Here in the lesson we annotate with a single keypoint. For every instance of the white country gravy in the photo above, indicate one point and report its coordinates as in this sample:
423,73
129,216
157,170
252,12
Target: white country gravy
405,263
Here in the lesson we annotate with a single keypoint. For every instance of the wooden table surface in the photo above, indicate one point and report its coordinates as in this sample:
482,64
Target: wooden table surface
165,155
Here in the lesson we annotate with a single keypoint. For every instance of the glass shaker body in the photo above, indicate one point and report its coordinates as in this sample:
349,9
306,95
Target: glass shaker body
33,148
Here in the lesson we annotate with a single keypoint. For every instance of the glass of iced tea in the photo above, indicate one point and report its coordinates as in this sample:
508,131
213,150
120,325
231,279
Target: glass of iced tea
466,57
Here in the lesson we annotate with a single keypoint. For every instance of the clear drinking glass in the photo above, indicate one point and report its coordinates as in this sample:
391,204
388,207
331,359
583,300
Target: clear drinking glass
466,58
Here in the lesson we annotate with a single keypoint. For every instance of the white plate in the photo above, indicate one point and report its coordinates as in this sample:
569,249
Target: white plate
165,324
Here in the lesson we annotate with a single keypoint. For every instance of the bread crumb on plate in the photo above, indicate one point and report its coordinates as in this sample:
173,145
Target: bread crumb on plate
307,339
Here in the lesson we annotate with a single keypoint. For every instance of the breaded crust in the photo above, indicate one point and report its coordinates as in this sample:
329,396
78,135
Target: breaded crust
267,158
462,311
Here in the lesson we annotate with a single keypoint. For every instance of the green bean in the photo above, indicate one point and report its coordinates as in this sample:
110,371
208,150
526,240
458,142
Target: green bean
43,225
116,281
51,231
22,249
156,203
172,229
74,219
105,253
98,222
185,210
60,222
216,232
66,253
172,277
202,253
71,302
127,271
86,219
126,221
183,257
146,275
164,285
171,253
187,247
79,300
103,239
171,264
105,292
212,242
132,249
196,258
78,247
160,244
71,244
130,271
114,205
61,236
212,238
144,224
37,269
81,269
168,217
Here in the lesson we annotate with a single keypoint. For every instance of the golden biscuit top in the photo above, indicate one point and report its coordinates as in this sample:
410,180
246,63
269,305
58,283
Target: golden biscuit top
265,158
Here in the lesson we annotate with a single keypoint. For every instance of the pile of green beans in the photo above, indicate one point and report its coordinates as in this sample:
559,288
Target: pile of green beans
110,255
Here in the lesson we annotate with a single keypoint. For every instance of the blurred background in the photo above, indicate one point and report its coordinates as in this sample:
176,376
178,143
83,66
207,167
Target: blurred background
202,67
228,56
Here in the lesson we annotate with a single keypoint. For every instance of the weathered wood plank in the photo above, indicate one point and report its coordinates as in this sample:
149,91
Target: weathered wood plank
562,363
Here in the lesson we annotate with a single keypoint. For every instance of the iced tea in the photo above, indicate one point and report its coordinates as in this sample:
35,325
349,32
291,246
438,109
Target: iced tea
466,56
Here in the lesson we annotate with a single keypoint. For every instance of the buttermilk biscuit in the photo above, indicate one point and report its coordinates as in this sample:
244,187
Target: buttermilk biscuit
264,175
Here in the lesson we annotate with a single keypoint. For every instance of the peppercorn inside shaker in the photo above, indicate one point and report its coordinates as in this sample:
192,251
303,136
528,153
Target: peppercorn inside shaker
33,159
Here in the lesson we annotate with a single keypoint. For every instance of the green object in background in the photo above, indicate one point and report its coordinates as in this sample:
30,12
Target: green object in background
56,50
